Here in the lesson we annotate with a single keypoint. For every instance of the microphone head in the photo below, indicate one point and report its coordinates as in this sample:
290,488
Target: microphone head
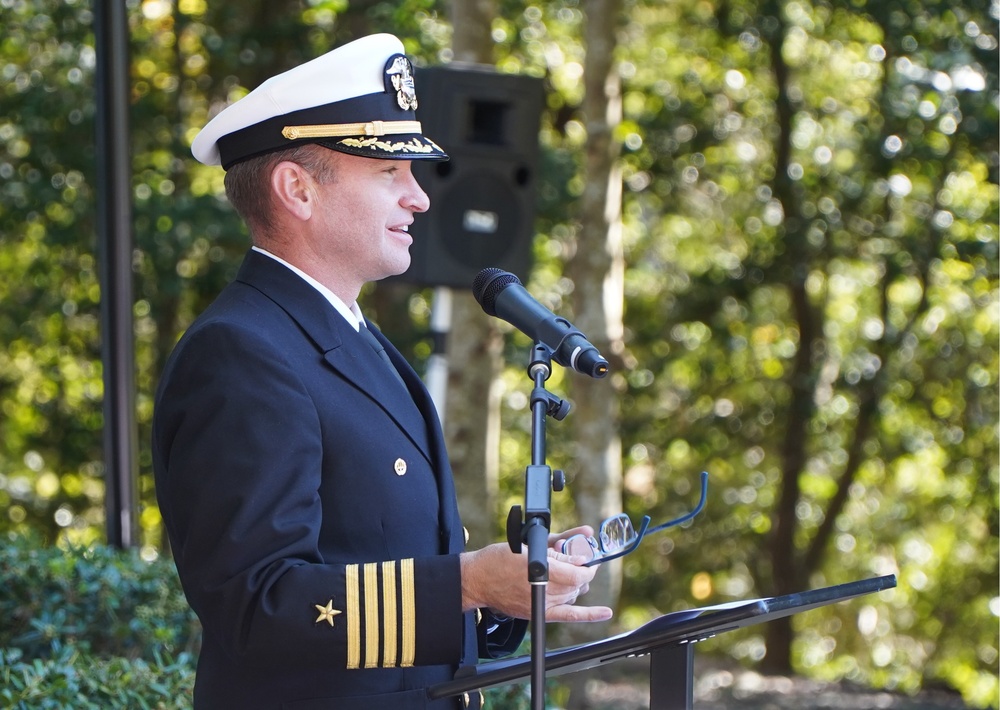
487,286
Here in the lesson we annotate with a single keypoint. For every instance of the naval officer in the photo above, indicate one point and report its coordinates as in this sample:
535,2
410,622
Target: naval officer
300,467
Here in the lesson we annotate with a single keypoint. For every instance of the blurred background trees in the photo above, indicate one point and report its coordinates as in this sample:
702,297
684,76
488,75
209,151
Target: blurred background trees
808,229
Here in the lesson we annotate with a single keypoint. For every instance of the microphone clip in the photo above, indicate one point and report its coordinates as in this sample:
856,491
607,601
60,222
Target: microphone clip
539,369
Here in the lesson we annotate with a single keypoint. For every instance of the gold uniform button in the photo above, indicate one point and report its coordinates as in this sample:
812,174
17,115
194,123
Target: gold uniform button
466,531
399,467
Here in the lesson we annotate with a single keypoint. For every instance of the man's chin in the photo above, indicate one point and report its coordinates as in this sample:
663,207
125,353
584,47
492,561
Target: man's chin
397,269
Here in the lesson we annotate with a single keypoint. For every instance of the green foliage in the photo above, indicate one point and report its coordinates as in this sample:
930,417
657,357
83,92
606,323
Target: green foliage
811,234
92,628
810,321
50,374
71,680
105,601
811,316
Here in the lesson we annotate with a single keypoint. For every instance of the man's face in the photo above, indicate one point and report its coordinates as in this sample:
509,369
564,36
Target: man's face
365,214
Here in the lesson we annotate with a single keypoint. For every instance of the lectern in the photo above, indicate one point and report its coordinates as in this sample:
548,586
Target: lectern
668,640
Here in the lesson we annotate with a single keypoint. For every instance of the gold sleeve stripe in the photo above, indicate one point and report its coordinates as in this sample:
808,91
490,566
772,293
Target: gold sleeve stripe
409,615
390,634
390,625
353,593
371,615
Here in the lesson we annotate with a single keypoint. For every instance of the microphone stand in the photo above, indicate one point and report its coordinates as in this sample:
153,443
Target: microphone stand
533,528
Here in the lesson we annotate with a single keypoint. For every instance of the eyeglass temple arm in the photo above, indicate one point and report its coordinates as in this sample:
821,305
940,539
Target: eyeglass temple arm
644,526
687,516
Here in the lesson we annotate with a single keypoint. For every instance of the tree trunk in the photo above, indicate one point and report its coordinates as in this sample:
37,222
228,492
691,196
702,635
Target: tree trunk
786,571
474,346
472,422
597,270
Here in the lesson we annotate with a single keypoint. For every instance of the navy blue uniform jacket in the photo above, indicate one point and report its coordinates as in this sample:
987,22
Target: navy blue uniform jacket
311,509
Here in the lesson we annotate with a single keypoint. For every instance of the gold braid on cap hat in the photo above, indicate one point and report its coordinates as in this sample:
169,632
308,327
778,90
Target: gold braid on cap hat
370,128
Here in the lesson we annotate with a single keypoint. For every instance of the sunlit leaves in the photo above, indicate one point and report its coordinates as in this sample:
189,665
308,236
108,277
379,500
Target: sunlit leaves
886,214
905,299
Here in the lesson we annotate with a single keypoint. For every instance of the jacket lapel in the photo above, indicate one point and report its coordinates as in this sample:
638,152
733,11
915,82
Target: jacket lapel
345,350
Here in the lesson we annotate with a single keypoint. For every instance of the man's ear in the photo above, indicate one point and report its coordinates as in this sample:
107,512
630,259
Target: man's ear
293,189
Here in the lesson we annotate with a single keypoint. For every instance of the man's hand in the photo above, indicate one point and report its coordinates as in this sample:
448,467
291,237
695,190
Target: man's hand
495,577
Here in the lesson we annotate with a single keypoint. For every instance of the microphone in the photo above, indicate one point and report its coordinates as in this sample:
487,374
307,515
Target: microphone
501,294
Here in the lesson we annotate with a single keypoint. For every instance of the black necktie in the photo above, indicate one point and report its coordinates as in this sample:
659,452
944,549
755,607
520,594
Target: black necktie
377,347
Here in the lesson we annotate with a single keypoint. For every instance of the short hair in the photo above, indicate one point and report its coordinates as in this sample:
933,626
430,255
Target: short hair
248,183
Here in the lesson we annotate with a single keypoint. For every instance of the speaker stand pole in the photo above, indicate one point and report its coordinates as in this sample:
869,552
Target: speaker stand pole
437,363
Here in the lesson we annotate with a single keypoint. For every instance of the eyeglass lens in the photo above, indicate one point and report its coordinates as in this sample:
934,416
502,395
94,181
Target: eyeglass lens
616,534
581,546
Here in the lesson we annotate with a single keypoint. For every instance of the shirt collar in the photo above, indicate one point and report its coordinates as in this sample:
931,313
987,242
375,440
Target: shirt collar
352,314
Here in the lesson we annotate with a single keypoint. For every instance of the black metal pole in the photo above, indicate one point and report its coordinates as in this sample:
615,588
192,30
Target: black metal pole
671,678
538,517
114,224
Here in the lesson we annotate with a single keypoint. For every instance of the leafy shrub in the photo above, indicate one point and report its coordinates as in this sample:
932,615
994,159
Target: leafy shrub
93,628
72,680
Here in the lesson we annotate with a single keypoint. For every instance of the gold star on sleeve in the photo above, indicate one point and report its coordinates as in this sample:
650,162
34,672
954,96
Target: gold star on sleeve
326,613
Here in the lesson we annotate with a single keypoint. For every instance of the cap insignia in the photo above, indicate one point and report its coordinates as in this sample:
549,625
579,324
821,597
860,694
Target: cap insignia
399,75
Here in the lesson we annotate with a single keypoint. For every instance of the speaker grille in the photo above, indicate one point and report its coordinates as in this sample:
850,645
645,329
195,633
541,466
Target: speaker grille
482,200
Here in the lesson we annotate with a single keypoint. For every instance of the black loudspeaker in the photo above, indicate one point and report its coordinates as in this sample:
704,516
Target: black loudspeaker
483,199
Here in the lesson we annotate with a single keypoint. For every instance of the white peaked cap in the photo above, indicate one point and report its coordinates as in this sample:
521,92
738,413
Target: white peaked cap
359,99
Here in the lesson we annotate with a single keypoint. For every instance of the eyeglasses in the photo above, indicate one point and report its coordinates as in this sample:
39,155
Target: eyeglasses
617,536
